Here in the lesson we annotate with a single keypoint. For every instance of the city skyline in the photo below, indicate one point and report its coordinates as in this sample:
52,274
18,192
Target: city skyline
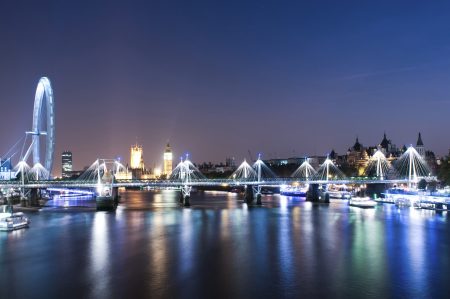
282,80
159,164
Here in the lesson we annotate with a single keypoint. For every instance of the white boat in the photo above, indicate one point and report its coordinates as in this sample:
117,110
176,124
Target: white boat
435,200
11,221
293,190
339,191
341,194
362,202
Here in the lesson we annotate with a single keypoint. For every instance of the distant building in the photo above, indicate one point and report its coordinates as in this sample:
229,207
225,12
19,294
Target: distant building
67,165
316,161
420,148
6,171
136,157
123,174
429,156
168,157
137,167
276,162
230,162
358,157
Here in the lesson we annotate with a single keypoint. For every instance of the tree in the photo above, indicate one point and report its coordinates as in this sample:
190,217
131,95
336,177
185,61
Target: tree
444,171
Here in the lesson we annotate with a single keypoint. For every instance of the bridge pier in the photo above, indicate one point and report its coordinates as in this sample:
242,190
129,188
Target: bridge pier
108,202
248,194
34,197
115,194
185,195
375,190
313,193
316,194
258,199
187,203
181,197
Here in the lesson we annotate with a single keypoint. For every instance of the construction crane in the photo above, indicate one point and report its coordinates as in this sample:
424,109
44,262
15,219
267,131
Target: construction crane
251,156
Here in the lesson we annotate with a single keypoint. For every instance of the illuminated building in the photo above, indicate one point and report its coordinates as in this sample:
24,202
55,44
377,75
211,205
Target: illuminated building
168,160
136,157
358,157
6,171
124,174
66,163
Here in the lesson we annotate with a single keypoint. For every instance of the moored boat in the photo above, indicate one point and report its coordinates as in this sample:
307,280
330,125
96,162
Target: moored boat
293,191
340,194
362,202
11,221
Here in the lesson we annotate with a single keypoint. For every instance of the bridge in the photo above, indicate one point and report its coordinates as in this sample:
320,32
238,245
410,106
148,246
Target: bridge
409,169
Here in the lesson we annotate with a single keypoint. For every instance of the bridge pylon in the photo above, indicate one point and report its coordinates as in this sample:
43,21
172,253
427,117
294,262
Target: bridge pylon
257,188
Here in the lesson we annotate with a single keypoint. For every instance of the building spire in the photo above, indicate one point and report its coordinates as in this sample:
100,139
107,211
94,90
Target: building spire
385,142
419,140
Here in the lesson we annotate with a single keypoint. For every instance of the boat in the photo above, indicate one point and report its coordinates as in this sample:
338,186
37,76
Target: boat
266,192
293,190
437,200
340,193
10,221
399,196
424,199
362,202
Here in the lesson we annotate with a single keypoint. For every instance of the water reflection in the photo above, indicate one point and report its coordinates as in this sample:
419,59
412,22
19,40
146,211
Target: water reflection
222,248
100,256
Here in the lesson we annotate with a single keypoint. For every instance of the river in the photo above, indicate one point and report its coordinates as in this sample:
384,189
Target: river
150,247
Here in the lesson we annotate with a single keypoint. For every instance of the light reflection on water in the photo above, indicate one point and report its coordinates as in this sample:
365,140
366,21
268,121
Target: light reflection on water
99,256
151,247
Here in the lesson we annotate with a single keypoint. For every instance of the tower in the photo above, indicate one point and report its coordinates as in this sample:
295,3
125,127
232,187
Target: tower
136,157
384,145
66,163
168,160
419,146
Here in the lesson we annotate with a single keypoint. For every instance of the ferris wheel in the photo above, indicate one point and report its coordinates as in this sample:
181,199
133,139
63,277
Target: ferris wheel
43,131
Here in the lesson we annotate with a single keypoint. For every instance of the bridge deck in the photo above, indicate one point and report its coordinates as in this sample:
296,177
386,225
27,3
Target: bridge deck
207,182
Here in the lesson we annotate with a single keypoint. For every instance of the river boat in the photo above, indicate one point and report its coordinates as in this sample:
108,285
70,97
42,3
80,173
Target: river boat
339,192
362,202
424,199
10,221
293,191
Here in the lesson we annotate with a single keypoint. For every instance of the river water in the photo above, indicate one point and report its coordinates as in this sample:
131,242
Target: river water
220,248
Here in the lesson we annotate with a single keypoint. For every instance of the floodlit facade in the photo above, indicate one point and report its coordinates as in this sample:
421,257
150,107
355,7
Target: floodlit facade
136,157
168,158
6,171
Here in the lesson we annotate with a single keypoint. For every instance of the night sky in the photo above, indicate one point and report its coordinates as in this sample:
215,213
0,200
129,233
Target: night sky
216,79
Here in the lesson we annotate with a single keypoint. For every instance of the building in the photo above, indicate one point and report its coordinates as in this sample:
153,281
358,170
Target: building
66,164
136,157
358,157
168,158
123,174
388,148
427,155
420,148
230,162
6,171
137,167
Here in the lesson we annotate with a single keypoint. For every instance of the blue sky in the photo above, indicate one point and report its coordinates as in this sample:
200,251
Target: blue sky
219,78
